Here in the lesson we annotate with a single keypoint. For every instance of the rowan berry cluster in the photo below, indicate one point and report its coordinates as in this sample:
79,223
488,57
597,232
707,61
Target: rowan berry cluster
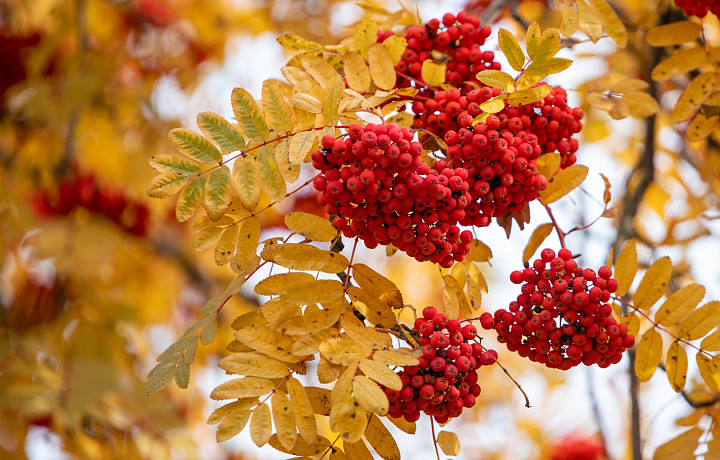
445,381
699,8
373,182
459,38
83,191
562,317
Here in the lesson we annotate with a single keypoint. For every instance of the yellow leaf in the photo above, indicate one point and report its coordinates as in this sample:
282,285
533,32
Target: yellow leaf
403,425
536,239
494,105
284,418
271,180
301,256
380,373
246,387
709,371
542,69
396,46
306,102
626,267
680,63
319,446
633,321
433,73
640,103
310,344
253,365
548,164
300,145
365,36
276,109
532,39
382,70
344,351
267,342
549,45
295,42
458,272
318,68
479,252
166,185
190,199
511,49
648,355
692,97
312,320
261,425
679,305
232,425
357,451
206,238
612,23
606,196
304,413
496,79
356,72
217,192
377,285
227,409
676,363
448,442
711,342
476,276
564,182
248,115
629,84
225,249
701,321
456,296
381,440
248,238
280,284
653,284
310,226
673,34
569,23
396,357
370,395
589,21
528,95
349,419
194,146
319,399
315,291
680,447
700,127
246,182
360,333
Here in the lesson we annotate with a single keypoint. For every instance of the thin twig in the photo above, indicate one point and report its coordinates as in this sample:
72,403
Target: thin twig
435,442
527,400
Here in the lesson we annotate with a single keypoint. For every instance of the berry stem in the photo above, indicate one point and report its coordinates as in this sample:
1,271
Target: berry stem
527,400
435,443
558,230
347,280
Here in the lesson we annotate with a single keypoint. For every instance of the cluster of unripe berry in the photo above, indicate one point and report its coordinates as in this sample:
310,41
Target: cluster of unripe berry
373,182
83,191
445,380
562,317
699,8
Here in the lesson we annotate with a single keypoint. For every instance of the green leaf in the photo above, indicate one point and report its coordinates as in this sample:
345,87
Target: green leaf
217,129
529,95
217,192
276,108
270,178
194,146
209,329
159,376
182,374
166,185
511,49
248,115
190,199
547,67
167,163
